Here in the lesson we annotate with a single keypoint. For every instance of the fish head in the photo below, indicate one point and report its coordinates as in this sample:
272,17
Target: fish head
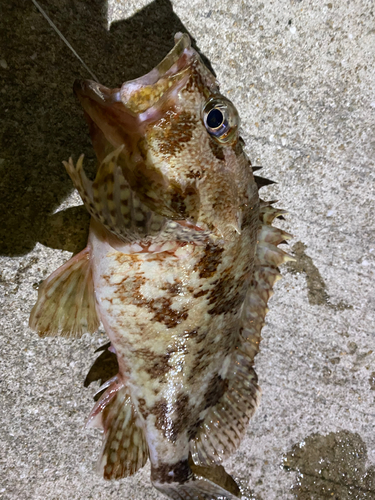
181,151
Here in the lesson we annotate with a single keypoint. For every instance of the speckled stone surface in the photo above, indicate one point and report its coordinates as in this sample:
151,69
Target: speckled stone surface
301,74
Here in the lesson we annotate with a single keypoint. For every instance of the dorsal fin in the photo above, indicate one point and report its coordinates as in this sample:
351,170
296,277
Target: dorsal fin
262,181
225,424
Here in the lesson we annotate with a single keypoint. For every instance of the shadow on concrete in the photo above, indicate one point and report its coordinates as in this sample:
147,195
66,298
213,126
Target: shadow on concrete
42,123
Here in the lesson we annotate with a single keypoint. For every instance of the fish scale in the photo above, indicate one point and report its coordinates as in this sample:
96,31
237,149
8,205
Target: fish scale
179,267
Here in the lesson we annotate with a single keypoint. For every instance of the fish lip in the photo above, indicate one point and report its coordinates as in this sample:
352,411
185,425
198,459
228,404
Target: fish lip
89,89
177,59
164,82
176,62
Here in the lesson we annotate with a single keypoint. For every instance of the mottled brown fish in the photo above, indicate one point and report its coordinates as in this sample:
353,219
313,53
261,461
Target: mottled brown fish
179,266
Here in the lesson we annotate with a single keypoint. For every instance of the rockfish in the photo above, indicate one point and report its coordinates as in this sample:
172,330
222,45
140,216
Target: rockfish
179,266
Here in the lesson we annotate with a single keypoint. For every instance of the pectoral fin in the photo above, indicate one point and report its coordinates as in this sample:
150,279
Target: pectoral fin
66,300
112,202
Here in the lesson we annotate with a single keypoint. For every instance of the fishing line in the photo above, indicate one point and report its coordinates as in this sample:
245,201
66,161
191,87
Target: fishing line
45,15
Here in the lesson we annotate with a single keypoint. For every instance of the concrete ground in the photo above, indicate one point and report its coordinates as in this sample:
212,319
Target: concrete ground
301,74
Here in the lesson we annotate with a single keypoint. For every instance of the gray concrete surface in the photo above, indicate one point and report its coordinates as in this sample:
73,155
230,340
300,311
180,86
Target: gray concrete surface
301,74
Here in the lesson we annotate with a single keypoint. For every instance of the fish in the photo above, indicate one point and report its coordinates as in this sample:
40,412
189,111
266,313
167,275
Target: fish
180,263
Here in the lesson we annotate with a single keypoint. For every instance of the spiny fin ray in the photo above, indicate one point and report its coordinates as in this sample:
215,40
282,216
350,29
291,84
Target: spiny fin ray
262,181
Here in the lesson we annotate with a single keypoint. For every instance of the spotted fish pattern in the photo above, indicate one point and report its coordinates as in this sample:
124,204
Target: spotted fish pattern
180,264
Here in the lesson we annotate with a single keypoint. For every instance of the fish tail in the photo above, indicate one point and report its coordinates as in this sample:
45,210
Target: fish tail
187,481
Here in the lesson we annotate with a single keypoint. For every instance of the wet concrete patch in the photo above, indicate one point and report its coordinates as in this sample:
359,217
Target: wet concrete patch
331,467
246,492
317,293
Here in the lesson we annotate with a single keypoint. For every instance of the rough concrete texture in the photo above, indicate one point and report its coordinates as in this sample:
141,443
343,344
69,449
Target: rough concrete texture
301,74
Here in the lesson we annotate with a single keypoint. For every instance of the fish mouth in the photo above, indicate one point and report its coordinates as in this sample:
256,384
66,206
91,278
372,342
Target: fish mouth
164,81
145,97
118,116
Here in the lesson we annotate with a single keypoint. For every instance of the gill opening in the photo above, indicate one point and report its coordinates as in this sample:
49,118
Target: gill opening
52,24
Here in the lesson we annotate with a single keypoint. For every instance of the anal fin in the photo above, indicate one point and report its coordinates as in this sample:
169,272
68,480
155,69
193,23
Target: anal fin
124,448
66,300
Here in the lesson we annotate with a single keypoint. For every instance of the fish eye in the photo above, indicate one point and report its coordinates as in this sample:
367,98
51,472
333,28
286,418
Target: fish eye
215,118
221,119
